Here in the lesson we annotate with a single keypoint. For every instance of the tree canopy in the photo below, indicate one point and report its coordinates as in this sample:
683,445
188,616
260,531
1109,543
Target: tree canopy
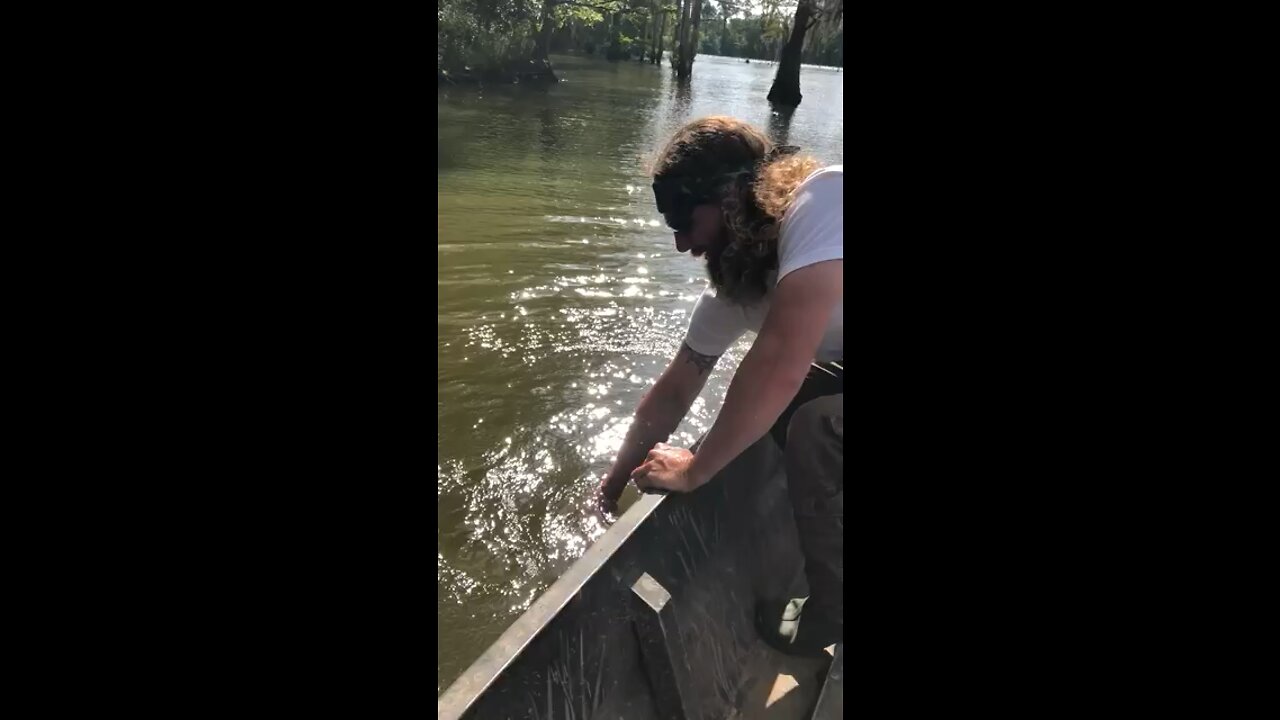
476,35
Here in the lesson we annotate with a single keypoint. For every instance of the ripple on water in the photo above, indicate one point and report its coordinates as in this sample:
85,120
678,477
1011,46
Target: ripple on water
560,300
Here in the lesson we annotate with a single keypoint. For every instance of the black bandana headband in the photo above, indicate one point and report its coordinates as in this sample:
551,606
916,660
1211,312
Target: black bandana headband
678,195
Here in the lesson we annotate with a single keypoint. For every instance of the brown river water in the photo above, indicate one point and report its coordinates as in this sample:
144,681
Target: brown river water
561,297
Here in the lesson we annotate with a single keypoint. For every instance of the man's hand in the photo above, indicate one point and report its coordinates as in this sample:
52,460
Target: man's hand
667,468
656,418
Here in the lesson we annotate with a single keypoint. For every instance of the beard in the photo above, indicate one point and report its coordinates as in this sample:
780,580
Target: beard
737,273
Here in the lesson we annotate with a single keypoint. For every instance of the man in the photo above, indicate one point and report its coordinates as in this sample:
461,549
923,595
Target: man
770,224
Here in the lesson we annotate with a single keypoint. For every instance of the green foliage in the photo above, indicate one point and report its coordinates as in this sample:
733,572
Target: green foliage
583,16
484,33
491,33
739,32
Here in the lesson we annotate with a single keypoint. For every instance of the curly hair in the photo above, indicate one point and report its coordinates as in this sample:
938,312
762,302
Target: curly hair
755,187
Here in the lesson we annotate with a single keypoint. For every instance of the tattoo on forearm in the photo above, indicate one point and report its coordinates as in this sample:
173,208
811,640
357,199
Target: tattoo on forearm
700,361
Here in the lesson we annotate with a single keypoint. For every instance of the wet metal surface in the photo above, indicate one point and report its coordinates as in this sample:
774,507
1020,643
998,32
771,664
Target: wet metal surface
677,580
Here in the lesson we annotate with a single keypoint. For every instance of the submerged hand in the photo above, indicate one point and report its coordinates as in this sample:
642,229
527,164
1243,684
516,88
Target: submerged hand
604,502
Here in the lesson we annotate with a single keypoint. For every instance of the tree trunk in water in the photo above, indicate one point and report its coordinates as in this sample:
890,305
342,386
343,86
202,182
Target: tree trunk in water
644,43
543,50
685,62
654,32
662,39
675,35
615,39
693,40
682,43
786,84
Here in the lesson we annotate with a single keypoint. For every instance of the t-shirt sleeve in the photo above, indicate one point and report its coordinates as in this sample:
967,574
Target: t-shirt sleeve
715,325
813,229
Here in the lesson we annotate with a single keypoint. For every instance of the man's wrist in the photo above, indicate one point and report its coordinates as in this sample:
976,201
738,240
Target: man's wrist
697,473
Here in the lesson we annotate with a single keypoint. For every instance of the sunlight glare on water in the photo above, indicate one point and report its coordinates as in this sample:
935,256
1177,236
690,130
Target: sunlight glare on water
561,298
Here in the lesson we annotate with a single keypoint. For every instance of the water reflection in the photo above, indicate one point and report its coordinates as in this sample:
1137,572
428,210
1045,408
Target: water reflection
683,94
547,135
560,299
780,123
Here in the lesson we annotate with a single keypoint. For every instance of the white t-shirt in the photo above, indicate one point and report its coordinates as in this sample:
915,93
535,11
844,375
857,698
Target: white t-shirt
812,231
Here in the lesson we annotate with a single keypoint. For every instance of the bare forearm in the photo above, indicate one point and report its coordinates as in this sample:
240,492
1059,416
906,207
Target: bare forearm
766,381
657,416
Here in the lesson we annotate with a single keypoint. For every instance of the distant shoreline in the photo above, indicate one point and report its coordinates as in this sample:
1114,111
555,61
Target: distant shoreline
765,62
